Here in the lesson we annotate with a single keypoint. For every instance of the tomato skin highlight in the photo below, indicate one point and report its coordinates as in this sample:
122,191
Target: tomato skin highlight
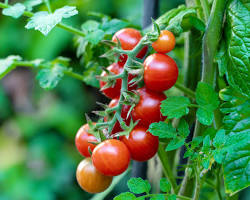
82,140
160,72
114,92
141,144
111,157
129,38
125,109
165,43
148,108
91,180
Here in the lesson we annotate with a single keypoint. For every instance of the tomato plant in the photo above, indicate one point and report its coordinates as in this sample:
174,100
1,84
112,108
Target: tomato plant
90,179
165,42
83,141
148,108
124,115
129,38
111,157
160,72
113,91
142,145
205,118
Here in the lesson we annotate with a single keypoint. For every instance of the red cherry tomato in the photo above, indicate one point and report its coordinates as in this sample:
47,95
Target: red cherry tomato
141,144
129,38
160,72
82,140
114,92
148,108
165,43
125,110
111,157
90,179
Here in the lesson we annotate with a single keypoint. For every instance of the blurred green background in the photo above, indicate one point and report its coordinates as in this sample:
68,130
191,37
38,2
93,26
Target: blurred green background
38,158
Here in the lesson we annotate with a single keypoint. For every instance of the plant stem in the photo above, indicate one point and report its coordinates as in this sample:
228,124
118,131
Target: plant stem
166,167
185,90
206,9
48,5
60,25
67,72
218,184
197,184
211,40
153,195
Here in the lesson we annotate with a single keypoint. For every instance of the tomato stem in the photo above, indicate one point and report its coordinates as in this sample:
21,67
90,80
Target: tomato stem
67,71
60,25
166,167
190,93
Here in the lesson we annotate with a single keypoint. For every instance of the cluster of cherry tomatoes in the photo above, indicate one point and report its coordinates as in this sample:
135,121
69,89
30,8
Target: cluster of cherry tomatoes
112,156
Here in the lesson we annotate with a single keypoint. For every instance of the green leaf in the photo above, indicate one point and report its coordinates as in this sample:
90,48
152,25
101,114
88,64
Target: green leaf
175,107
175,144
205,162
206,96
50,77
91,73
172,197
237,45
6,65
90,26
162,130
158,197
183,128
205,116
180,19
14,11
206,144
139,186
236,163
45,22
220,138
125,196
95,37
236,108
114,25
165,186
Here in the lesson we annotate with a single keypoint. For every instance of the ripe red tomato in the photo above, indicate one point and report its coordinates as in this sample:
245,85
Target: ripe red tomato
125,109
90,179
129,38
165,43
111,157
148,108
114,92
160,72
82,140
141,144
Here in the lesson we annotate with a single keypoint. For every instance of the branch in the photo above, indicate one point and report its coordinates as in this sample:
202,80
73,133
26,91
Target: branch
67,72
60,25
166,167
190,93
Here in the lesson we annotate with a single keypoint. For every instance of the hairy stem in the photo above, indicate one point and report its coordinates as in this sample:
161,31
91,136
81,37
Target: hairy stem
205,8
60,25
166,167
197,184
48,5
67,71
218,184
185,90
